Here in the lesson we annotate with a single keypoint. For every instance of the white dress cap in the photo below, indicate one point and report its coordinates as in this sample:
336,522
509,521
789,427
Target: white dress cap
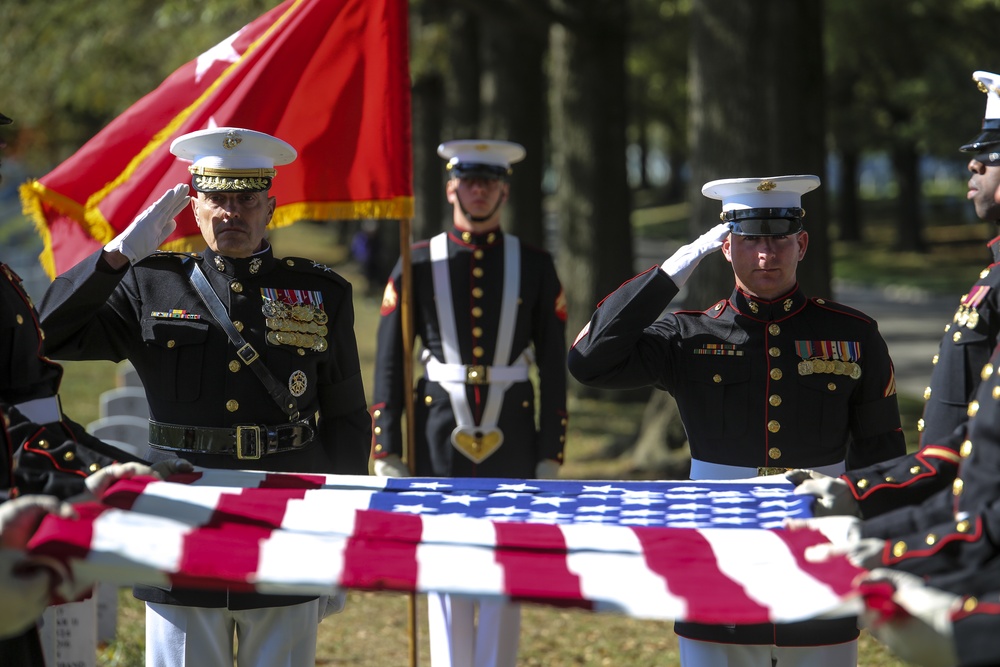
489,152
988,83
985,143
770,192
232,158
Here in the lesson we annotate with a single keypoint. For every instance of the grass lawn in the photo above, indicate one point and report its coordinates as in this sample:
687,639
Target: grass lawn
373,630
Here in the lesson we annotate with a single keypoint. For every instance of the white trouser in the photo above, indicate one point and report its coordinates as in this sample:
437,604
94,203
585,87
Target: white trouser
202,637
709,471
696,653
457,640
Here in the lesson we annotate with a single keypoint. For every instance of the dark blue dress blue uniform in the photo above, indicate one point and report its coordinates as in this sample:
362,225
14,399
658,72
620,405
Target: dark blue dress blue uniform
953,537
966,346
476,267
762,385
55,456
734,371
975,628
152,315
51,458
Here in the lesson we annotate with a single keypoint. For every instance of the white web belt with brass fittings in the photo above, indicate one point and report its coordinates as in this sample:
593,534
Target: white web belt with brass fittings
476,441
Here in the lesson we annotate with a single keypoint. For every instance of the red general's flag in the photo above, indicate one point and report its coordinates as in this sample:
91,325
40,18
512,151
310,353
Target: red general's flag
329,77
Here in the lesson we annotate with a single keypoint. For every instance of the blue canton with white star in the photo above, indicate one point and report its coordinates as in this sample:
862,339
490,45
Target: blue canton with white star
687,504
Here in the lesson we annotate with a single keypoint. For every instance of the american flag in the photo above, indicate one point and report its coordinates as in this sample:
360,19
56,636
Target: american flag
709,552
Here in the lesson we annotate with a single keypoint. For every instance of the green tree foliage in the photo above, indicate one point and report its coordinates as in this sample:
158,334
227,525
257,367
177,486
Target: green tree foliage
657,62
899,81
71,66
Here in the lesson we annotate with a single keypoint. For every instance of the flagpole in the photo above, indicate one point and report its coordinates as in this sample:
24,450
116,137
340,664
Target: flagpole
406,313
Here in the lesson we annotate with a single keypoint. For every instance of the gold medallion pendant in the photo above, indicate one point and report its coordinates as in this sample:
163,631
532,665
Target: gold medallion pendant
477,444
297,383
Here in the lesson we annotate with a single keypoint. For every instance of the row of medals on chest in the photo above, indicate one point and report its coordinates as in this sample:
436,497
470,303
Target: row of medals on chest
966,316
299,325
832,366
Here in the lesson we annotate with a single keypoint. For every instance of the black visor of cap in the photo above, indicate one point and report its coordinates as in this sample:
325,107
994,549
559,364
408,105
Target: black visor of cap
477,170
4,120
988,137
764,221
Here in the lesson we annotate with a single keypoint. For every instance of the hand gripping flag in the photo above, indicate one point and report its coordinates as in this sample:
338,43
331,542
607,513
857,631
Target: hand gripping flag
329,77
710,552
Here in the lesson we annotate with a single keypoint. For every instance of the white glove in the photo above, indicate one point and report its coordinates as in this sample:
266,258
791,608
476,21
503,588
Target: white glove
833,495
682,263
164,469
100,481
925,637
27,592
332,604
547,469
19,518
151,227
390,466
844,533
30,588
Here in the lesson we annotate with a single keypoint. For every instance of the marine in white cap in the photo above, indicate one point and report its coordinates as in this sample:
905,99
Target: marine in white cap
249,362
933,512
488,308
765,380
481,163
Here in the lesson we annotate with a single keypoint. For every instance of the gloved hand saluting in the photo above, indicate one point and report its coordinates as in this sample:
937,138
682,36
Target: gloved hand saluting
924,634
390,466
682,263
151,227
833,495
27,590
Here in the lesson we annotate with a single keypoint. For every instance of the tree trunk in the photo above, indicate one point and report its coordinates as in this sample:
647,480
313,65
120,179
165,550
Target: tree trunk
427,102
462,85
588,93
513,104
909,221
754,112
849,213
428,189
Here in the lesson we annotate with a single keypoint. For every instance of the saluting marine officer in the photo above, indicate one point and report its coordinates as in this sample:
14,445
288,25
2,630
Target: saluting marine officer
485,307
765,380
249,362
967,343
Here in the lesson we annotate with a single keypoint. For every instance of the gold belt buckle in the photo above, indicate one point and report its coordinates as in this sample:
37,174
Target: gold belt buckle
477,375
766,471
248,442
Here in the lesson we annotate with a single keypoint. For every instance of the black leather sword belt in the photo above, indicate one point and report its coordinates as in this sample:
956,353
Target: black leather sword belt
244,441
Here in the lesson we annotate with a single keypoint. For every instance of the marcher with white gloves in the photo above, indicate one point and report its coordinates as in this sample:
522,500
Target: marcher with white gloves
27,587
765,380
43,452
966,346
249,362
487,308
26,590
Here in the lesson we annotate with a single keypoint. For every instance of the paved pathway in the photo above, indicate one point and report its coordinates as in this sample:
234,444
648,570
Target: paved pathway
912,324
